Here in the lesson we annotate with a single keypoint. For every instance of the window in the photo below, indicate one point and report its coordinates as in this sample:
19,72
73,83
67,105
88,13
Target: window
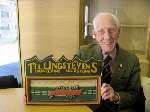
9,52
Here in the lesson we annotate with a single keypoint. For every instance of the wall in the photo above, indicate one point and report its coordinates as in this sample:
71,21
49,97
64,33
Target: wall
48,27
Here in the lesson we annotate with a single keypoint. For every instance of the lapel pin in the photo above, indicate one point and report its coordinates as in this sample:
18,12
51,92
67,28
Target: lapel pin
120,65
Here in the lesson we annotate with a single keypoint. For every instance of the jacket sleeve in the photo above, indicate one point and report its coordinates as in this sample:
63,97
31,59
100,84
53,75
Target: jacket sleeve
128,97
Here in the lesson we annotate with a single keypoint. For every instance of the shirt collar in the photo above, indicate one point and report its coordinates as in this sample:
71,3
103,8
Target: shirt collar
112,54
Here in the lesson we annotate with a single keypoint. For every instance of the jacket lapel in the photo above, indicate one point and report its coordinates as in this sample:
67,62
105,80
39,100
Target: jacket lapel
118,67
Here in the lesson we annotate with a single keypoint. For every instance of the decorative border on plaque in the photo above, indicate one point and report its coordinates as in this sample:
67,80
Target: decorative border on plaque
63,90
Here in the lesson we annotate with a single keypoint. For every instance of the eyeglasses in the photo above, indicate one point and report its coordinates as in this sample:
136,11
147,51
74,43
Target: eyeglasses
107,30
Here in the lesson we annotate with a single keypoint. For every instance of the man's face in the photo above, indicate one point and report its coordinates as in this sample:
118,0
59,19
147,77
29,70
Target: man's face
106,33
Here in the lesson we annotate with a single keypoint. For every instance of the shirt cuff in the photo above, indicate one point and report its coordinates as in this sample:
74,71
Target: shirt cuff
116,95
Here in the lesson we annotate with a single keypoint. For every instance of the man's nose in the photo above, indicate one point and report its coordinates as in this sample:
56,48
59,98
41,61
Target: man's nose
107,34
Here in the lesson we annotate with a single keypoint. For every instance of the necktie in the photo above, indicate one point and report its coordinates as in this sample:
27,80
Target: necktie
106,72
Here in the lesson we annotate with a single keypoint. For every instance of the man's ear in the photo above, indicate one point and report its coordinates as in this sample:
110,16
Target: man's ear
118,32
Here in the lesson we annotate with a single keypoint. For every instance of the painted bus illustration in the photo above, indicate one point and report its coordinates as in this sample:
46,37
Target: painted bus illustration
65,93
68,92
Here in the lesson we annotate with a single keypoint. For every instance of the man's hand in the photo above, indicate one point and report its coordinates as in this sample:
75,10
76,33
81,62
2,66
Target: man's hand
108,93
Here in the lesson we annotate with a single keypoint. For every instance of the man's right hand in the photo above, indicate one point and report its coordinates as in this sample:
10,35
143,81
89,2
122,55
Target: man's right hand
107,92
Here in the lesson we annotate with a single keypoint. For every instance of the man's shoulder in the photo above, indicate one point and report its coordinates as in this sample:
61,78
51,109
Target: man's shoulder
91,46
90,50
128,55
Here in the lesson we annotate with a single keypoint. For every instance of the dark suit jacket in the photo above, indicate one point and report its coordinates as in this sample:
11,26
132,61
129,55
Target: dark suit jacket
125,72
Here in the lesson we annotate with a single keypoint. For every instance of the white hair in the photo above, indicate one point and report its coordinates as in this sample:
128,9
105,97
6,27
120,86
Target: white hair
115,19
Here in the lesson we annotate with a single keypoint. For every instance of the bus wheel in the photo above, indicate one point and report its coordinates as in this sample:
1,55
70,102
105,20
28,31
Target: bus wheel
70,97
51,96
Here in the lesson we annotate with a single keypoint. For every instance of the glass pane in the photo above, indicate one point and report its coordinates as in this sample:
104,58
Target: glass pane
9,53
135,42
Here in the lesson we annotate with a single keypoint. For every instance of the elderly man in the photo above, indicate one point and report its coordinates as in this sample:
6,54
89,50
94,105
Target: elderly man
121,79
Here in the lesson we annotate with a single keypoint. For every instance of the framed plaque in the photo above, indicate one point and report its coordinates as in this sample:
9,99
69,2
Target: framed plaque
62,81
63,90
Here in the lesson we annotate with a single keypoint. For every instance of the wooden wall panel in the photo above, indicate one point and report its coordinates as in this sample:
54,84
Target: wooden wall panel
48,27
